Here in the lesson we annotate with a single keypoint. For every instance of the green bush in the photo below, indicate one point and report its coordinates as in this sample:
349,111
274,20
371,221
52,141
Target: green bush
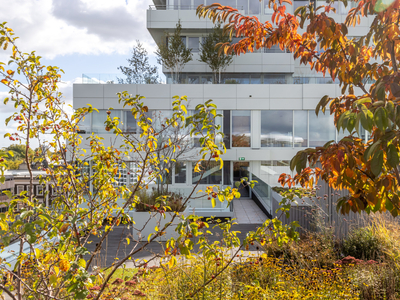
148,200
361,243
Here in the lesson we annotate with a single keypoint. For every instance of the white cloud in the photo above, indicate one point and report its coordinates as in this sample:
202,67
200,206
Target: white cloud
62,27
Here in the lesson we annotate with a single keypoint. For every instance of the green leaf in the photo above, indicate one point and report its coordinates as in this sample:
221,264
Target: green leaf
377,163
381,93
381,119
366,118
351,123
302,163
322,103
392,156
371,150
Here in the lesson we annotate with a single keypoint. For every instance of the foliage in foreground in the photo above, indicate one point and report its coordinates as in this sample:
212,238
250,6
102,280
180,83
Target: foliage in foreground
366,67
52,257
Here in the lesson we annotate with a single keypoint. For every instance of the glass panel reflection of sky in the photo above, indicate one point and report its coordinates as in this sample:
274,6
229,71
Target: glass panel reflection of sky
277,128
321,128
241,128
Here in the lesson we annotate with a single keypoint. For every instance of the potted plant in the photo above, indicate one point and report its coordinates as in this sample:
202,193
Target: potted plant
153,210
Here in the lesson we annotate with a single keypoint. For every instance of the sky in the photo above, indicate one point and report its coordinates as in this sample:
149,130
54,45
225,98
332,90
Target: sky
79,36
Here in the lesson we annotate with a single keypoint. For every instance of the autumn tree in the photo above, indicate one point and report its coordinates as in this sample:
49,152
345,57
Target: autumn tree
209,52
173,54
366,68
50,256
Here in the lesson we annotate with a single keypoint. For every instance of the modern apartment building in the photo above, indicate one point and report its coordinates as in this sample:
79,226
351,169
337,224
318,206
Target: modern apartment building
267,100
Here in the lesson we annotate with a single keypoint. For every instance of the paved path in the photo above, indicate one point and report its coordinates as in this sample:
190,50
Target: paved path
246,211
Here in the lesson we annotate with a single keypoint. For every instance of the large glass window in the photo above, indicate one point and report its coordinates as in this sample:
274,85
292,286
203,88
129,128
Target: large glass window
194,44
274,79
196,138
300,128
130,125
212,174
299,3
98,119
254,7
196,3
242,5
241,128
236,78
276,128
84,124
267,10
180,172
321,128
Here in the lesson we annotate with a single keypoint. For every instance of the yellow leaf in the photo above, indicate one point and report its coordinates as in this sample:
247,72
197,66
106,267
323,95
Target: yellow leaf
4,81
82,263
172,262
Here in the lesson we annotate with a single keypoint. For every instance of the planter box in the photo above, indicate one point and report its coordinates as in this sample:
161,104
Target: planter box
153,219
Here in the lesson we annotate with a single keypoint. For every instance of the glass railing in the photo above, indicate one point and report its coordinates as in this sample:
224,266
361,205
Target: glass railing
227,78
101,78
263,192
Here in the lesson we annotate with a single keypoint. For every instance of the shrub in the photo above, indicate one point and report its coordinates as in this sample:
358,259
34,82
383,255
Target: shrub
375,281
314,249
149,200
361,243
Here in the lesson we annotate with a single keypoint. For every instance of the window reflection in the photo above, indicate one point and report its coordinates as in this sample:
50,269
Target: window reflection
300,128
212,174
180,172
241,128
130,125
321,128
98,119
194,44
277,128
84,124
254,7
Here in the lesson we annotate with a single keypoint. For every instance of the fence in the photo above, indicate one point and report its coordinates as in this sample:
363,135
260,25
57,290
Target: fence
319,213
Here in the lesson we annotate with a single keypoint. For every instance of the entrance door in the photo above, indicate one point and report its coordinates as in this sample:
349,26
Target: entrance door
240,170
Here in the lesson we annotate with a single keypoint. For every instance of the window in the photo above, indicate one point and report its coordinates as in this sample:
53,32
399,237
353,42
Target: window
210,173
274,79
194,44
276,128
273,49
254,7
98,119
321,128
130,125
39,190
297,4
20,189
300,138
84,124
180,172
241,128
301,80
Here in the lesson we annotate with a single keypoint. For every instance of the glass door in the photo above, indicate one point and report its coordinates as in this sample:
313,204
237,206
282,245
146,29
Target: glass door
240,170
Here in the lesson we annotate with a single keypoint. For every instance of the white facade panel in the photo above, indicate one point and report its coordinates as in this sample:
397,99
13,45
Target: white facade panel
84,101
88,90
